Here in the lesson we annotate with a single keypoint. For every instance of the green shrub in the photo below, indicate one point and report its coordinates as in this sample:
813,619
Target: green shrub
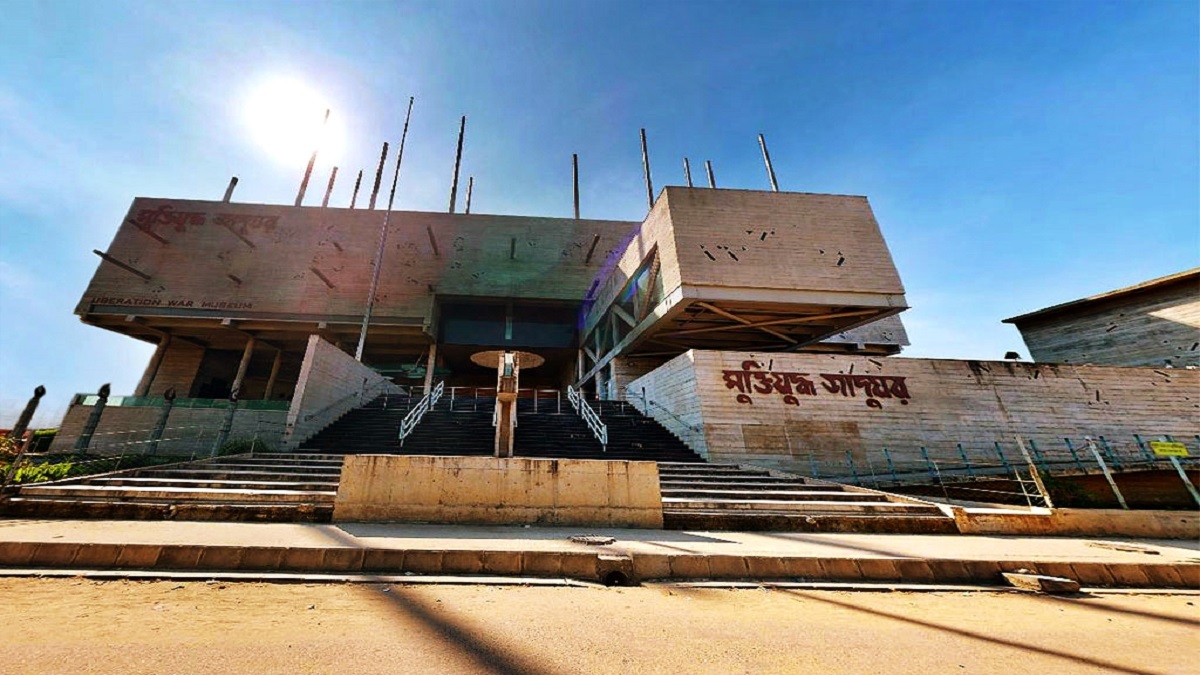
241,446
40,473
42,438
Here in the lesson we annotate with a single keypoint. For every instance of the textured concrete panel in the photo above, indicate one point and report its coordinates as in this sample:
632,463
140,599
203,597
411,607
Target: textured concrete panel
487,490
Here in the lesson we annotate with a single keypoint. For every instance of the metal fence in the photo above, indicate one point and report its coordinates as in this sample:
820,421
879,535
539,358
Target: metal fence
1012,470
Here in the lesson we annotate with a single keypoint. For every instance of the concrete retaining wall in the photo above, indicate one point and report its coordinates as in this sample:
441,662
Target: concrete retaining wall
494,491
1082,522
331,384
787,411
189,431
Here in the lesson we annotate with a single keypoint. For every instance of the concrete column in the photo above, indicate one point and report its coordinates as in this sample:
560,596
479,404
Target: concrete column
89,427
243,367
143,388
22,424
430,366
274,375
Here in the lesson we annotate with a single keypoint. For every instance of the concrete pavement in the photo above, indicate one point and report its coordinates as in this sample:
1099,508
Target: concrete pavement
547,552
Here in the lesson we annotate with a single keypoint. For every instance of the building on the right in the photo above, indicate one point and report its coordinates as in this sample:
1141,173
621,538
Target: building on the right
1155,323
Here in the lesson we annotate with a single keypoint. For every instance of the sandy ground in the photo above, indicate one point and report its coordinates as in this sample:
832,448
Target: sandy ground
82,626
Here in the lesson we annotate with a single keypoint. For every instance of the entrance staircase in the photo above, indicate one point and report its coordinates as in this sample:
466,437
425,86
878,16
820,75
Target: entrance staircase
464,427
707,496
449,428
301,486
262,487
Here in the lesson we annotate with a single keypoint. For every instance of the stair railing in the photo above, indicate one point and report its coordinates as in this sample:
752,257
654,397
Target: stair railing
414,416
589,416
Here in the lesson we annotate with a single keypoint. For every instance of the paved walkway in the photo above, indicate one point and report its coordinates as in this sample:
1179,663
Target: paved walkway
547,551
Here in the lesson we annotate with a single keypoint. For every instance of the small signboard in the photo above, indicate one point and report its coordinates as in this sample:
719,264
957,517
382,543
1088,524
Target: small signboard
1168,449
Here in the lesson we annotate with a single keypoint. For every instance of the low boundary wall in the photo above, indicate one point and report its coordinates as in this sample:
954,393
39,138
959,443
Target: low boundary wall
496,491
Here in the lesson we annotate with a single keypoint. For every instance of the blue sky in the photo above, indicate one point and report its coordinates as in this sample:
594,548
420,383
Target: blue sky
1017,154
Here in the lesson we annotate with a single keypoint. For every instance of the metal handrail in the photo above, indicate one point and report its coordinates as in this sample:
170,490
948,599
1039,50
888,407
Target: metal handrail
414,416
589,416
646,403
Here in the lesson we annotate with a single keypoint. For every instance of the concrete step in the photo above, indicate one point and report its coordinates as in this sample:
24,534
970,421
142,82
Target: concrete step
282,468
333,463
729,480
219,474
35,507
779,495
717,484
171,494
784,521
220,484
813,506
298,456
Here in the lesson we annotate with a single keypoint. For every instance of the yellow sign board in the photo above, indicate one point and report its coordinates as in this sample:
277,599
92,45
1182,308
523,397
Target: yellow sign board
1168,449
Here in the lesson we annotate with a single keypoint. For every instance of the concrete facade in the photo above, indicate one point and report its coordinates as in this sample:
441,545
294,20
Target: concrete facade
331,384
1153,324
786,411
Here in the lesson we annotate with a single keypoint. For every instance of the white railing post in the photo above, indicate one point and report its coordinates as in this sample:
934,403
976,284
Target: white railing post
599,429
414,416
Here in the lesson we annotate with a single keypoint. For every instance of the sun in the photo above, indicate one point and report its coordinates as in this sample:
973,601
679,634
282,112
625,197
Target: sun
284,117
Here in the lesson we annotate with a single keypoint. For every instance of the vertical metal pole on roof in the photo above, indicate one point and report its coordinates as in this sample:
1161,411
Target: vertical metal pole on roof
311,161
687,171
400,154
470,189
383,230
712,179
329,187
233,181
462,129
357,184
646,171
575,182
378,176
762,143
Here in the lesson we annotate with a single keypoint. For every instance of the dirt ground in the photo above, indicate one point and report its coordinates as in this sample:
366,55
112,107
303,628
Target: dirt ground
84,626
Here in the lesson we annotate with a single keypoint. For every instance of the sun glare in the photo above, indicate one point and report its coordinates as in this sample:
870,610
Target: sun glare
284,117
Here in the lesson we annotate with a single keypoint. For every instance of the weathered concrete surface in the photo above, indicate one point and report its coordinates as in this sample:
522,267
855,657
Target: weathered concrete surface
1080,522
499,491
1041,583
548,552
80,626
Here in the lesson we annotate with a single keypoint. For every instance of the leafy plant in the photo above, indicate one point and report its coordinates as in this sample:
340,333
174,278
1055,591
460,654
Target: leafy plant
241,446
